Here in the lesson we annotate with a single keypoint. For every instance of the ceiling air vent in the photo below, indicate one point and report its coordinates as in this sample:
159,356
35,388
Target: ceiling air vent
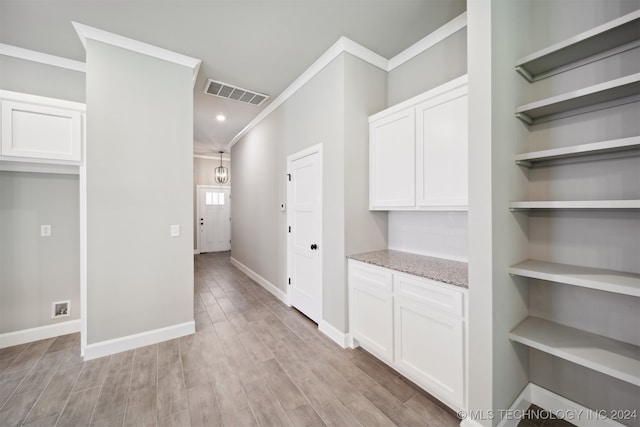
224,90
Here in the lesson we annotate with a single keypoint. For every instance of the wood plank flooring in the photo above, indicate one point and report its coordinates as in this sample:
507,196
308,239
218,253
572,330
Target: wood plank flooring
252,362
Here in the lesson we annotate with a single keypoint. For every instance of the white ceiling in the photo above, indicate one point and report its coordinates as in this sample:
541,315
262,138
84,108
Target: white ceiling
258,45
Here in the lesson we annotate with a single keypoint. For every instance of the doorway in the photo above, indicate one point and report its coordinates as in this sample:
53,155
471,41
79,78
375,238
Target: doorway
304,231
214,218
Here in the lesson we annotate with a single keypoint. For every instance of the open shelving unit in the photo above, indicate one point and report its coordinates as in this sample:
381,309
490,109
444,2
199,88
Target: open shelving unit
611,357
597,97
608,39
592,278
624,146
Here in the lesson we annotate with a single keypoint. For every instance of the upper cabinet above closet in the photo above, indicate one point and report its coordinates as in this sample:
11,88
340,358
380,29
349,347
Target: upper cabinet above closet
41,130
418,152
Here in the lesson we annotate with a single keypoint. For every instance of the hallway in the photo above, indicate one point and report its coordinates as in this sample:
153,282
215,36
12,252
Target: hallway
252,361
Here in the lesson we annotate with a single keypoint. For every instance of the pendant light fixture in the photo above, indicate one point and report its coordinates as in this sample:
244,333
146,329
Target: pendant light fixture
222,173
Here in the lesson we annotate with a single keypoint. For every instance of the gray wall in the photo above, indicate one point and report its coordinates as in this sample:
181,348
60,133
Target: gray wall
480,325
139,182
40,79
437,65
321,111
36,271
204,174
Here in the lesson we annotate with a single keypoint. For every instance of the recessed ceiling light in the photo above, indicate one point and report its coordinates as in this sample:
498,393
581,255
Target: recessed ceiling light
221,118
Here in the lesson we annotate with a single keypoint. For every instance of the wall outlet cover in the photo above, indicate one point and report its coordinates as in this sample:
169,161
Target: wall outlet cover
175,231
45,230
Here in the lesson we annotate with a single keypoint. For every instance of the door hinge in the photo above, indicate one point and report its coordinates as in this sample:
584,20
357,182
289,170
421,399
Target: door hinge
289,280
289,229
289,175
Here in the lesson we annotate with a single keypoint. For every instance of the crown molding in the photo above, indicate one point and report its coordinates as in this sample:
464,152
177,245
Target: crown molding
42,58
225,158
85,32
347,45
342,45
451,27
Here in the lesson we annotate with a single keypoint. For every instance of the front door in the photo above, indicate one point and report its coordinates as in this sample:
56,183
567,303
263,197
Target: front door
304,196
214,219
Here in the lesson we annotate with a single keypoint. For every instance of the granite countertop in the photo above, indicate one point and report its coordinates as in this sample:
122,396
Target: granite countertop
439,269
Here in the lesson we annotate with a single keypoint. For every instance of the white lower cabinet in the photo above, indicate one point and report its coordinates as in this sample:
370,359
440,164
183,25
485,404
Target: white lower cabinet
371,309
417,326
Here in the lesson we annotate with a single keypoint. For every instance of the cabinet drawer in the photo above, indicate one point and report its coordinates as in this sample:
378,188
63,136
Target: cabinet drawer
377,277
430,293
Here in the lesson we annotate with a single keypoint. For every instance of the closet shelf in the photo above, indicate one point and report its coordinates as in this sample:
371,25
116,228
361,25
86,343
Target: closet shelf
611,357
620,91
608,39
576,204
593,278
579,151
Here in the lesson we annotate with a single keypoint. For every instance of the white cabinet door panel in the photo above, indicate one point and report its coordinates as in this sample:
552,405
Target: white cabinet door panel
429,346
442,146
371,309
41,132
392,161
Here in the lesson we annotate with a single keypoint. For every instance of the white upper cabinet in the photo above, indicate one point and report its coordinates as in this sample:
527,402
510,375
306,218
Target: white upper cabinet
441,151
40,129
418,152
392,155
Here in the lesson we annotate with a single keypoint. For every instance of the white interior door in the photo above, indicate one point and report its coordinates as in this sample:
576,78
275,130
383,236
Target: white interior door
214,219
305,221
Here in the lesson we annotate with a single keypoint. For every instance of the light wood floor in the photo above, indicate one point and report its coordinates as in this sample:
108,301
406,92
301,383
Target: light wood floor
252,362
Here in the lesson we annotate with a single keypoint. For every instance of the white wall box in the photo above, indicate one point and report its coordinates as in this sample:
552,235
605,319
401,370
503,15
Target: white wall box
39,129
418,152
417,326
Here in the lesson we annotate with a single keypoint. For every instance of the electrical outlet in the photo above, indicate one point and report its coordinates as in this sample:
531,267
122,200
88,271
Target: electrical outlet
60,309
175,231
45,230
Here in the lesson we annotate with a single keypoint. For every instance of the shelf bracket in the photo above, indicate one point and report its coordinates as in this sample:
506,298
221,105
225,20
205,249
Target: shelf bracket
524,118
524,73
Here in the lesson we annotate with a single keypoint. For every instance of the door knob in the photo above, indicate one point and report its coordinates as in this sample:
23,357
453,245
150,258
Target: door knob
314,246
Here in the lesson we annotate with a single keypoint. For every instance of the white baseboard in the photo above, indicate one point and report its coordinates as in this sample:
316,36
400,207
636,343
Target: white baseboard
34,334
196,252
340,338
468,422
273,289
559,406
117,345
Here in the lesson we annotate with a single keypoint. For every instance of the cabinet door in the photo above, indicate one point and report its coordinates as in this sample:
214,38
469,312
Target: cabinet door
40,132
441,151
429,348
371,309
392,161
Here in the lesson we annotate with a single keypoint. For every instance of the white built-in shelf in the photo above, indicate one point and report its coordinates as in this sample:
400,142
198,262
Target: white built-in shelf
611,357
576,204
616,146
619,91
593,278
608,39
